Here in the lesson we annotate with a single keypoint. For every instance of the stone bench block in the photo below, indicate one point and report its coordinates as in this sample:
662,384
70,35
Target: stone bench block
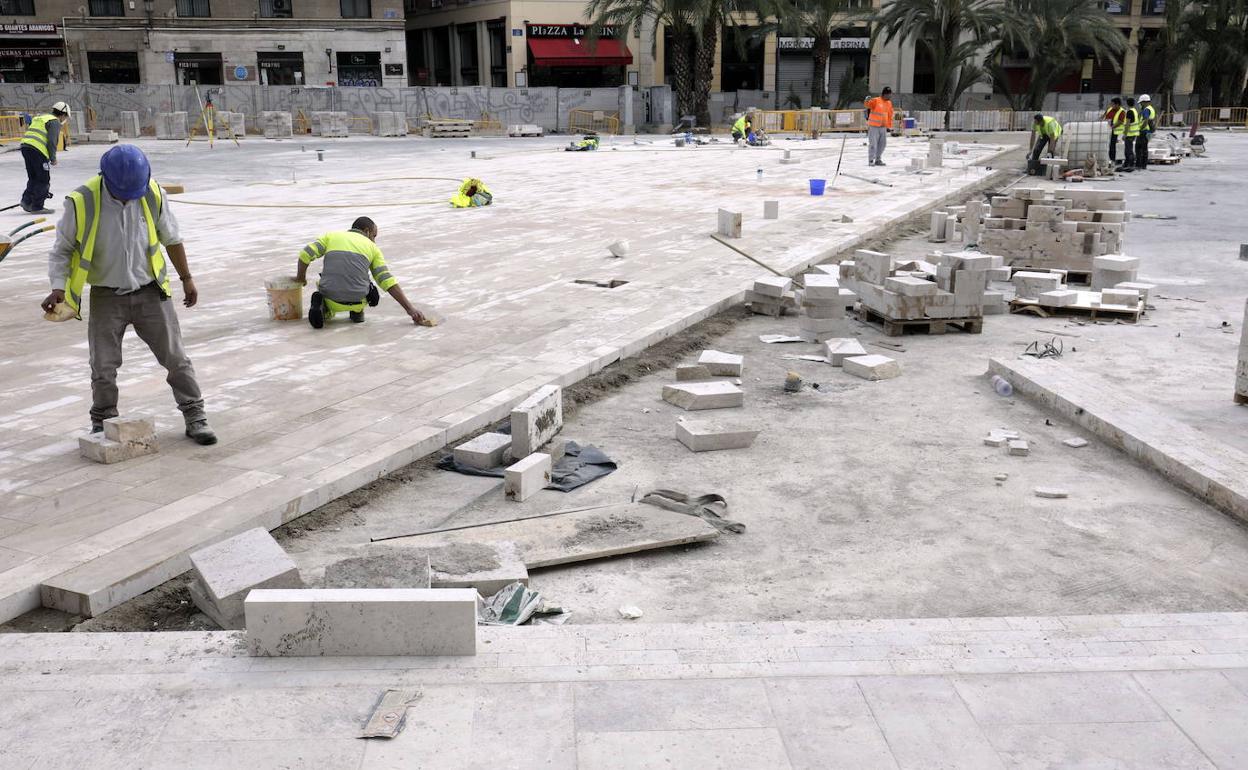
712,435
842,348
131,128
872,367
721,364
694,396
524,478
362,621
536,420
489,450
227,571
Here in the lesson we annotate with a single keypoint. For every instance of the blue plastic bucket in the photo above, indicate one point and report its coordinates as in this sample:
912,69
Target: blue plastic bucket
909,123
816,186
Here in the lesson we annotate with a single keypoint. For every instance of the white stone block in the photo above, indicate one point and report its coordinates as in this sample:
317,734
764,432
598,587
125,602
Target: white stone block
694,396
227,571
1128,297
771,209
821,286
837,350
999,274
721,364
1143,289
130,126
823,326
1116,262
1058,298
171,125
125,429
872,367
489,450
1031,284
909,286
937,232
772,286
1075,442
536,420
362,621
1019,447
712,435
872,266
1051,492
98,448
526,477
692,372
729,223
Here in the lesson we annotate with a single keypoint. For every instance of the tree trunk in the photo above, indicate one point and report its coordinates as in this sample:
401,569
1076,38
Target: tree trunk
682,70
819,85
703,71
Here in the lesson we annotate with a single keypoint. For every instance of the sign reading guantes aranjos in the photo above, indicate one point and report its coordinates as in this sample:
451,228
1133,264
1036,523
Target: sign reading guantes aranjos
568,30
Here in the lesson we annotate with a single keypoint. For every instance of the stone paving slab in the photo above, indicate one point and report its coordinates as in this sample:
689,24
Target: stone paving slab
305,417
1213,471
136,700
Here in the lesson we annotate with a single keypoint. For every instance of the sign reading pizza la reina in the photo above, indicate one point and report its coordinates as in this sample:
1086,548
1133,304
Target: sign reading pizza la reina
27,29
568,30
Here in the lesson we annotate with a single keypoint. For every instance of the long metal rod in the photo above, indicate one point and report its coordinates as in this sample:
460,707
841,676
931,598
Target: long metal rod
838,161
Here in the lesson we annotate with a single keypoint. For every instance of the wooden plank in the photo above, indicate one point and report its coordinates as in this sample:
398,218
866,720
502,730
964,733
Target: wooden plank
597,533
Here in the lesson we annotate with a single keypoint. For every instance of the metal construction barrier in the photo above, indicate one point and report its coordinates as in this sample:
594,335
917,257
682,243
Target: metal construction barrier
593,121
993,120
809,122
1228,117
11,128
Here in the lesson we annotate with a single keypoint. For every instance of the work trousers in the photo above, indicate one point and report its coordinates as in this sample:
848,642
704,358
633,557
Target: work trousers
1141,151
156,322
1113,147
877,138
1041,142
38,179
1128,150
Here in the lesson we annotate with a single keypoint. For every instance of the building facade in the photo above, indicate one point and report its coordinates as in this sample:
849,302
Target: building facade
204,42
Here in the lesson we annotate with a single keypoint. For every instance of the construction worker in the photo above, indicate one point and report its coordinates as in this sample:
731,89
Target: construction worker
1048,131
1116,117
1148,125
472,193
742,127
588,144
43,135
110,236
1130,134
351,256
879,123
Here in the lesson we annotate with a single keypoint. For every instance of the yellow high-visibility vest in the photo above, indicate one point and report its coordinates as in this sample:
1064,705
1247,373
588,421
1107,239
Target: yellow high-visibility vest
1134,122
86,202
37,135
1051,128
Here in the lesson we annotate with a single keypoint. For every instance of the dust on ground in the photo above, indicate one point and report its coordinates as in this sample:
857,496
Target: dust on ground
597,528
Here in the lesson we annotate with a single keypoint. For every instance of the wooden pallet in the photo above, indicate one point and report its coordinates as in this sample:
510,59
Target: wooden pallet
894,327
1115,312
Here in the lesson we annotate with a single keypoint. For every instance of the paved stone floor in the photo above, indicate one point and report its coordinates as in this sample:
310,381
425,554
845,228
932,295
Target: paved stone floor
1106,691
306,416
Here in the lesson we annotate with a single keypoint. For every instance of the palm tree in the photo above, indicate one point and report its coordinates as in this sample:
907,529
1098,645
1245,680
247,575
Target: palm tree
1055,36
680,22
1171,49
713,16
821,20
951,32
1216,34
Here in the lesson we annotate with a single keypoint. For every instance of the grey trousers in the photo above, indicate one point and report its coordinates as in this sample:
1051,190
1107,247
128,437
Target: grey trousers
156,322
877,137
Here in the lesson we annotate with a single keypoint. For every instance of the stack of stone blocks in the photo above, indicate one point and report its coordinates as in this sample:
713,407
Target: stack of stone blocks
958,291
276,124
123,438
1113,284
771,296
823,309
332,125
1064,229
390,123
230,125
131,127
171,125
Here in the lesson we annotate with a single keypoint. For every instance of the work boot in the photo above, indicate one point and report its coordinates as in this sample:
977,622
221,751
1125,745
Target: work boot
880,163
357,316
201,433
374,296
40,211
316,311
97,427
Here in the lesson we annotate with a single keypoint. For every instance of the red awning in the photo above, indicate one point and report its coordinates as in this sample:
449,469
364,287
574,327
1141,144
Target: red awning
569,52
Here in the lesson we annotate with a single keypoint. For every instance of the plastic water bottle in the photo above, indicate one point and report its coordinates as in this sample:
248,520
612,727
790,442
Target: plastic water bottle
759,175
1002,387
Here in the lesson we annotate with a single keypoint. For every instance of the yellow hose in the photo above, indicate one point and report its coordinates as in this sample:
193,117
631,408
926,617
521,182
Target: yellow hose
330,205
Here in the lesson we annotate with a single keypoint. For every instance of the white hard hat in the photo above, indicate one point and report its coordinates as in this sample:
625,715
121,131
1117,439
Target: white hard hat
61,107
1144,98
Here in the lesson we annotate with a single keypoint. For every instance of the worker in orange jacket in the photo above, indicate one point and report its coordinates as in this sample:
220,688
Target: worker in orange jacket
879,123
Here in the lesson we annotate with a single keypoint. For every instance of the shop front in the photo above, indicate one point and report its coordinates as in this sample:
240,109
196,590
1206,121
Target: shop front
849,58
31,53
564,56
361,69
198,69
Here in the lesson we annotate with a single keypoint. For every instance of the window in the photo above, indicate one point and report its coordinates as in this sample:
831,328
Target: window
357,9
193,8
280,68
17,7
113,66
360,69
1154,7
277,9
107,8
1118,7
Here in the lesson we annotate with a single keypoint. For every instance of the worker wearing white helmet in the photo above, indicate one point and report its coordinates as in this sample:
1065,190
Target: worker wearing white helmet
1148,124
39,151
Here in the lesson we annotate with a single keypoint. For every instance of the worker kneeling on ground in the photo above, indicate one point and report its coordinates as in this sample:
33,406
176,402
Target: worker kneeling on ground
1048,131
472,192
111,236
351,257
588,144
742,127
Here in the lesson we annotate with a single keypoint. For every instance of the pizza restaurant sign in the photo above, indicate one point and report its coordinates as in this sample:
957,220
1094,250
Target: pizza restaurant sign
569,31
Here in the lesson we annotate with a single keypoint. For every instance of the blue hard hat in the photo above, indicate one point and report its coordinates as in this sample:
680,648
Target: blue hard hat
126,172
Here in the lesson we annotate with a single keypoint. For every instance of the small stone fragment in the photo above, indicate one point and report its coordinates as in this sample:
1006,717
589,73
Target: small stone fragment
1019,447
1076,442
1051,492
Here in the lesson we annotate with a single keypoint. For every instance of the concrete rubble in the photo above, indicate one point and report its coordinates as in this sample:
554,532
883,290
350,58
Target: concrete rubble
225,573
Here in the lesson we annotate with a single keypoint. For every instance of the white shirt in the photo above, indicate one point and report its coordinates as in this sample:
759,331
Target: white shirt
120,258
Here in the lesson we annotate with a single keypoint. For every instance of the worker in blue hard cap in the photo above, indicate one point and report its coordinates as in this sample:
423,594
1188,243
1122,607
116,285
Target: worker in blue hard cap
110,236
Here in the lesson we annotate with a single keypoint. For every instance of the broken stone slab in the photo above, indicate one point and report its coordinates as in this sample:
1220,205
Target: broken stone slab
524,478
361,621
1019,447
1075,442
729,223
771,209
721,364
1051,492
772,286
695,396
380,567
712,435
536,420
489,450
689,372
97,448
228,570
841,348
872,367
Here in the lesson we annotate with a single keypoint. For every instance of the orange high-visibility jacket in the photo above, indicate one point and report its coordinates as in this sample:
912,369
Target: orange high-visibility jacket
881,112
